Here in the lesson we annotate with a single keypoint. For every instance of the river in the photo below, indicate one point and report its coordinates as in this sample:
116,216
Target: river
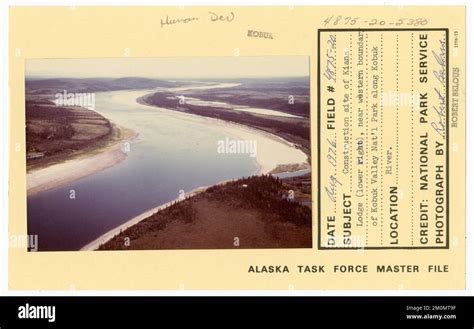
173,152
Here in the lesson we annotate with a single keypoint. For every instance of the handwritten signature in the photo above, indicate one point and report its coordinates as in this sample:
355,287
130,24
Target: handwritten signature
440,110
440,75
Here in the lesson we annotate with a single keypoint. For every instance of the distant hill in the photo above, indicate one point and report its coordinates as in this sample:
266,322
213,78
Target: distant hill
77,85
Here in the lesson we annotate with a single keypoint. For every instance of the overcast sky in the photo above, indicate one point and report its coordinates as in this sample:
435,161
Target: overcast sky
171,67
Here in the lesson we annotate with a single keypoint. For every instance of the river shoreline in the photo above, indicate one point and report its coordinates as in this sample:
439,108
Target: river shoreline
94,245
265,168
81,165
266,160
91,162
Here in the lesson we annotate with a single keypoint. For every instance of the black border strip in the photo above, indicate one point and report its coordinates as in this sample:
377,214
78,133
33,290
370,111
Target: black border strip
446,30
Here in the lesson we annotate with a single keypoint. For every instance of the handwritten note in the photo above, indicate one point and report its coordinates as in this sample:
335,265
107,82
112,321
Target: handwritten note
214,17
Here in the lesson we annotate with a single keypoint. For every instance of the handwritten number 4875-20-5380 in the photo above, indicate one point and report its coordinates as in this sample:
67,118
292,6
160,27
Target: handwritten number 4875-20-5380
339,20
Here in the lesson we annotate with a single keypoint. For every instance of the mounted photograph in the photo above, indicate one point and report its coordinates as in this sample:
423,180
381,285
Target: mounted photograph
168,153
